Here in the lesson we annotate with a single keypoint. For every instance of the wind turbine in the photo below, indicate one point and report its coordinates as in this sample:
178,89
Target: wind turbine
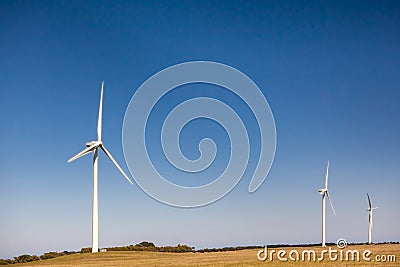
94,146
370,213
324,192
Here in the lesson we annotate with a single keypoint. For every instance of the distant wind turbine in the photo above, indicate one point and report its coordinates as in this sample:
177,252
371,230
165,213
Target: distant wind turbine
370,213
324,192
94,146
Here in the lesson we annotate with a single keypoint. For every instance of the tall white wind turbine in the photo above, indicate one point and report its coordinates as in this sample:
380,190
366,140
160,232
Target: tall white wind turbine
324,192
370,213
94,146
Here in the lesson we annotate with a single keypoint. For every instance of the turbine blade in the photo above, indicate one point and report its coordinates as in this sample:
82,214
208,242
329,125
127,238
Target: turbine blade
327,194
369,201
369,218
115,163
327,175
99,121
83,152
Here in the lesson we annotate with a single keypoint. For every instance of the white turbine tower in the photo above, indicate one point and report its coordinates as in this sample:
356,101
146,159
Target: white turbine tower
324,192
94,146
370,213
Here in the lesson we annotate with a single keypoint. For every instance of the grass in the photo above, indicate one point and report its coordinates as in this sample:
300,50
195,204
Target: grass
229,258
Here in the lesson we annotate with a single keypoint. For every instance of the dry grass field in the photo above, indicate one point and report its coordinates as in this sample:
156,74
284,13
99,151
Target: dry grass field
230,258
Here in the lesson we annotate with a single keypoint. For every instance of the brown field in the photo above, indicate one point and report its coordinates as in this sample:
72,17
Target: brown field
230,258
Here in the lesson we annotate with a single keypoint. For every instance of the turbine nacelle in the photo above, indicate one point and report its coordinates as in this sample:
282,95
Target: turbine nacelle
323,191
91,143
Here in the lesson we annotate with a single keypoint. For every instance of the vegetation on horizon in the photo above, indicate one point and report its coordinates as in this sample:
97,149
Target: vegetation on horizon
150,247
143,246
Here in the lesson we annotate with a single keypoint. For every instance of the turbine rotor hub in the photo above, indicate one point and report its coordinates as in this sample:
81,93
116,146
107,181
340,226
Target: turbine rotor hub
322,191
91,143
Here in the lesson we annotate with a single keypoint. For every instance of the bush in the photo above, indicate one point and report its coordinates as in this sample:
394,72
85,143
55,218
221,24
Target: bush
146,244
6,262
50,255
86,250
25,258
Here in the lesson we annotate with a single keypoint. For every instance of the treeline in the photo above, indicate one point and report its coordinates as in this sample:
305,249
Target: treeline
254,247
143,246
28,258
227,249
149,246
283,245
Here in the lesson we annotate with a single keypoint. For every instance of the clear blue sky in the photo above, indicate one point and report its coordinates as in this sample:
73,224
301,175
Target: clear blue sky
330,71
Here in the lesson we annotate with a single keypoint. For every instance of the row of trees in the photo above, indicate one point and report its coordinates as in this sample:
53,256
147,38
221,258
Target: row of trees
148,246
28,258
143,246
279,246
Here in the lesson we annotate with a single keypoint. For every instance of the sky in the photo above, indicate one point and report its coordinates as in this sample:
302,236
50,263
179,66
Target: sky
330,71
